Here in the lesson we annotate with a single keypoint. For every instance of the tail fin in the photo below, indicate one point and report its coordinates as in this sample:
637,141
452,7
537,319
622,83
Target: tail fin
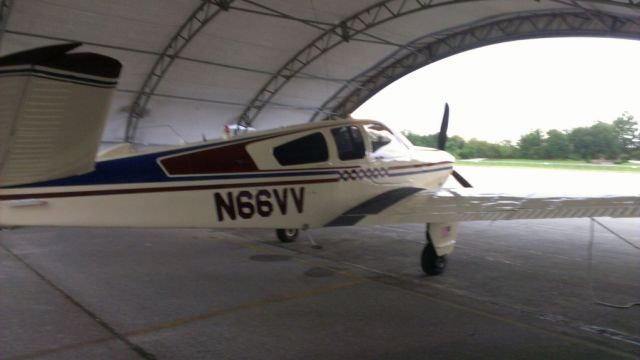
53,107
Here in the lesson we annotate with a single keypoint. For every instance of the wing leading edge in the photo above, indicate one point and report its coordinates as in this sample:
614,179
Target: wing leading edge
447,205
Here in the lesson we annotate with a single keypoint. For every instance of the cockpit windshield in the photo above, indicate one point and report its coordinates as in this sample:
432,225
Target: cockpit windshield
384,144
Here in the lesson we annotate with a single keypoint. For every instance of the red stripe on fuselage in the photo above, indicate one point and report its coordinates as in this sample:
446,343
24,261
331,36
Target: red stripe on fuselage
220,160
419,165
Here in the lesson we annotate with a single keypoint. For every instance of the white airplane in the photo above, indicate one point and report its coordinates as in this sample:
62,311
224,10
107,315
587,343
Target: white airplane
53,107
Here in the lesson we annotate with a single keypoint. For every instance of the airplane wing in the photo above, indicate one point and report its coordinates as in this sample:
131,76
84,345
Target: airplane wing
412,205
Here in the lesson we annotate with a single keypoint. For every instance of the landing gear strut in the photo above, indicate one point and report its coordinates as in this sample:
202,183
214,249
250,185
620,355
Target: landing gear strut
431,263
287,235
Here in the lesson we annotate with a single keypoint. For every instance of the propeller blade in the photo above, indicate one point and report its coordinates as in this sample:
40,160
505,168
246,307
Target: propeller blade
460,179
442,135
442,142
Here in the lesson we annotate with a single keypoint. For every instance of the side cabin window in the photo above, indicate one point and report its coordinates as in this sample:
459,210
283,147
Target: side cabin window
349,142
308,149
384,144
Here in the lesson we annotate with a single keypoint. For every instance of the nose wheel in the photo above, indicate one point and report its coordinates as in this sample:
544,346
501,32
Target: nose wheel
287,235
431,263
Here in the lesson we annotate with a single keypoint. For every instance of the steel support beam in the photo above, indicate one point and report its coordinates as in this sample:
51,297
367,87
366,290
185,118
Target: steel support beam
201,16
357,25
342,32
5,10
434,47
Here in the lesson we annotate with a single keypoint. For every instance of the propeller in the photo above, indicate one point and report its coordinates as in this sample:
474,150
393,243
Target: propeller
460,179
442,141
442,135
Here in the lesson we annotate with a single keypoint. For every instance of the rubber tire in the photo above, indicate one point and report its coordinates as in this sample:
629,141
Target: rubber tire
431,263
287,235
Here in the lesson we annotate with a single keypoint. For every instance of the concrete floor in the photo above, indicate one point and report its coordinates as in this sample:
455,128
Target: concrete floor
513,289
516,289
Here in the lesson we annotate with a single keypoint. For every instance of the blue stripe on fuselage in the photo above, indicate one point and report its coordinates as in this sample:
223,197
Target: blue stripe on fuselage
145,169
126,171
137,169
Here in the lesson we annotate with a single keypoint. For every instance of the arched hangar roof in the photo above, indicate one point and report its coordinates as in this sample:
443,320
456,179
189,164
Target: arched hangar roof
191,66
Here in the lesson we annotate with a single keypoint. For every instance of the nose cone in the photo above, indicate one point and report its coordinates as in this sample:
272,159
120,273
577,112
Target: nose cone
430,155
446,156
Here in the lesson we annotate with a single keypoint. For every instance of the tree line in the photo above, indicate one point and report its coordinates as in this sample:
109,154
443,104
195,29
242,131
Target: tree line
618,141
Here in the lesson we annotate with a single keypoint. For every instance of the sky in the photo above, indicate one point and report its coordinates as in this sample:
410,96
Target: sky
503,91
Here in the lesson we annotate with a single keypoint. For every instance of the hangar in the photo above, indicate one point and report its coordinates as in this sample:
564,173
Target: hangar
190,67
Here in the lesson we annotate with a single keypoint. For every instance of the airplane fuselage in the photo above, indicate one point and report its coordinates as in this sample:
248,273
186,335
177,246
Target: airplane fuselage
295,177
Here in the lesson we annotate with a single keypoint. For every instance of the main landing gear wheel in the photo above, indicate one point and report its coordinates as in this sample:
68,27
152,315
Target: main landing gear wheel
431,263
287,235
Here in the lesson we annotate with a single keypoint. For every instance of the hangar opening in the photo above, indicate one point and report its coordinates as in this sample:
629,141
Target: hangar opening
575,90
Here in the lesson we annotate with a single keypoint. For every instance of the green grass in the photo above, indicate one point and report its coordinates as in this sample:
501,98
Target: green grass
552,164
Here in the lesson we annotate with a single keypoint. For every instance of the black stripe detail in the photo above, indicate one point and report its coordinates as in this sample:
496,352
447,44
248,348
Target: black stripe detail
372,206
57,76
57,57
38,55
68,194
